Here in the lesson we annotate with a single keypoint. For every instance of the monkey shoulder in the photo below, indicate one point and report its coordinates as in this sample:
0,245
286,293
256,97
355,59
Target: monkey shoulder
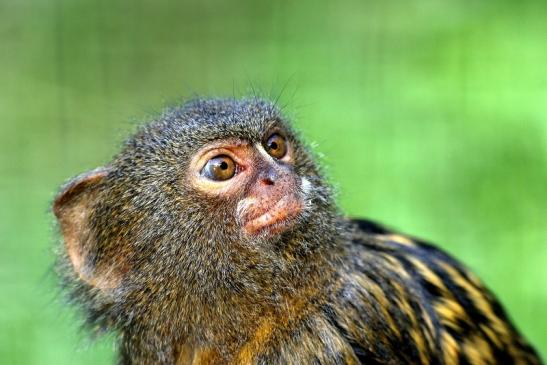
399,299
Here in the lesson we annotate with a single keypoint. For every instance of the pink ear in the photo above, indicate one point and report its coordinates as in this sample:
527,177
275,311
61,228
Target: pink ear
73,207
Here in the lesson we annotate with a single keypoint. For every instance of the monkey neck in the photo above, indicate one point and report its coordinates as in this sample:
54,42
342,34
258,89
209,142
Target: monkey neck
266,280
224,306
232,322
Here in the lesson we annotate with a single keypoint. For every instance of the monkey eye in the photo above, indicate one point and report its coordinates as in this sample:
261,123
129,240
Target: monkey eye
276,146
219,168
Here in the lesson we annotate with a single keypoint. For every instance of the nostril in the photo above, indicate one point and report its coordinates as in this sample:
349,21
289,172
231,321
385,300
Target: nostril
267,181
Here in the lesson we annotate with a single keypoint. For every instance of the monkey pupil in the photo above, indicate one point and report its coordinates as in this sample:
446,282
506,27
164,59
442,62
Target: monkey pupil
273,146
223,165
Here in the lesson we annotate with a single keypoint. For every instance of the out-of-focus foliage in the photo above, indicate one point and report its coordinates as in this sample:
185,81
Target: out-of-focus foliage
432,116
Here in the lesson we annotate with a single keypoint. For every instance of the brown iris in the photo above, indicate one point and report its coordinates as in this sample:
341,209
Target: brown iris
276,146
219,168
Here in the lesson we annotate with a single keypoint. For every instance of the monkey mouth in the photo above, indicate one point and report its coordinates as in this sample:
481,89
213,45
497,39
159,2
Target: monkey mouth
276,219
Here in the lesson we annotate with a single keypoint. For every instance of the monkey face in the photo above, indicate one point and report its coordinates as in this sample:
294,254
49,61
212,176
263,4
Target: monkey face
259,180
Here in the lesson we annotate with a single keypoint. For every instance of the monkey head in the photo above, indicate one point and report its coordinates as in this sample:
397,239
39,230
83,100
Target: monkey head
214,204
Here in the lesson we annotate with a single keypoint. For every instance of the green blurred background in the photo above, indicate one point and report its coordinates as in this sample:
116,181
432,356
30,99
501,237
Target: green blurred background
431,115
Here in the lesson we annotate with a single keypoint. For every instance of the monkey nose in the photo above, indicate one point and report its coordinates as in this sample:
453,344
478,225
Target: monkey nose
268,177
267,181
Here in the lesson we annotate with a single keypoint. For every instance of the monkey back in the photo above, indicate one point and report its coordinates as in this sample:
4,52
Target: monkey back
398,300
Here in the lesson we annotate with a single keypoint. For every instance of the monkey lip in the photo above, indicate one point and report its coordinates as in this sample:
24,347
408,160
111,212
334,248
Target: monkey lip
275,219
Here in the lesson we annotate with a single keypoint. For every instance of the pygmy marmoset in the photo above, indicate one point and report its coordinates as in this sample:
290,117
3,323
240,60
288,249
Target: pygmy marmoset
212,238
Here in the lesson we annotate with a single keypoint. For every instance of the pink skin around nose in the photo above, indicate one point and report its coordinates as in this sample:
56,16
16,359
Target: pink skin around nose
271,207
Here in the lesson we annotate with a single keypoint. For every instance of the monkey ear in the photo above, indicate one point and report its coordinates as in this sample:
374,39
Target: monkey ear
73,207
